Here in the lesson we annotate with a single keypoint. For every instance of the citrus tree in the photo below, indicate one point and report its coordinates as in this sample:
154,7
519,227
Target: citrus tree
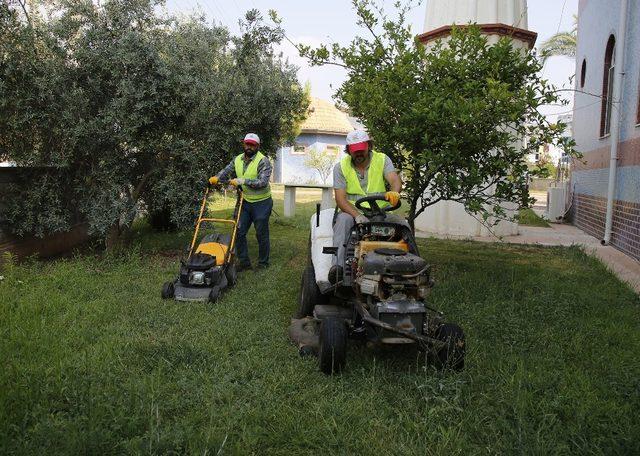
453,116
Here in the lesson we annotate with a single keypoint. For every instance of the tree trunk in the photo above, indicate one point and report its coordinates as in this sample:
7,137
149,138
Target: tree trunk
113,236
412,216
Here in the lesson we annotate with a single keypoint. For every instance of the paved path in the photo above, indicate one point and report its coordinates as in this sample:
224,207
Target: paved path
623,266
540,206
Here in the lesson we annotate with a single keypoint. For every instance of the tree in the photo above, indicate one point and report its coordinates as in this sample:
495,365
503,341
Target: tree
451,117
544,163
322,162
562,43
130,111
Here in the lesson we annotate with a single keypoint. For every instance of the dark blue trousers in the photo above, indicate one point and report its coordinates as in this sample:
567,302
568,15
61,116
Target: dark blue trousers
257,213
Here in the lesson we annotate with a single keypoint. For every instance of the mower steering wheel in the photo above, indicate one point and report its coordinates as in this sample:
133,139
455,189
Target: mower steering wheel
374,209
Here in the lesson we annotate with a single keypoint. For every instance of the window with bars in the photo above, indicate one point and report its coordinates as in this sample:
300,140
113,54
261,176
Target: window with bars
299,149
607,86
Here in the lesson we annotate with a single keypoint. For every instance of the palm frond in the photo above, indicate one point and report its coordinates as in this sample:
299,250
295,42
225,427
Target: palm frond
563,43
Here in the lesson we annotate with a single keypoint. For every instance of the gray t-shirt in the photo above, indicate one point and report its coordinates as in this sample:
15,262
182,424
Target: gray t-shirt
340,182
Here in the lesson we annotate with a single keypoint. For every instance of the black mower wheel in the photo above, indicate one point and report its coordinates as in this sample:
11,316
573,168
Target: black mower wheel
214,294
232,275
452,355
332,355
168,290
310,294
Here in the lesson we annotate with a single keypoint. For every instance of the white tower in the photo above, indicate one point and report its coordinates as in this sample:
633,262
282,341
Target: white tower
442,13
496,18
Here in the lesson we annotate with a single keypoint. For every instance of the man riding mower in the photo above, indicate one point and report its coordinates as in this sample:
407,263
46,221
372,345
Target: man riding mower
378,287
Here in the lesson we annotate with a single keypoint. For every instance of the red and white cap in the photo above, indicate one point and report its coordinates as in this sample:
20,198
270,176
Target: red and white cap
357,140
252,138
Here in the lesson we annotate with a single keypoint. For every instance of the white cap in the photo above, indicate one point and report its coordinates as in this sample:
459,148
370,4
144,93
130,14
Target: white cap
252,138
357,136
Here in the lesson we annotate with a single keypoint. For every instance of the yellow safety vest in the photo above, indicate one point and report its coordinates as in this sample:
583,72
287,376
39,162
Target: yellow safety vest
251,195
375,178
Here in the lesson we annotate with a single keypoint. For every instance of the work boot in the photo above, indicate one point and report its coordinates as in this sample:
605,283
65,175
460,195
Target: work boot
335,274
262,267
243,267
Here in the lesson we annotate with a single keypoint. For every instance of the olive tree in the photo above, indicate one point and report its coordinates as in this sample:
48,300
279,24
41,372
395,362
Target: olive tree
125,110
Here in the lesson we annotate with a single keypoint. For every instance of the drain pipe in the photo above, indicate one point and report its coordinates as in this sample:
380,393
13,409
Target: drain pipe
616,118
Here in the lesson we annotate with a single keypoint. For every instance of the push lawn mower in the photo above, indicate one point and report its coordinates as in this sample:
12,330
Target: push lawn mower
208,267
380,295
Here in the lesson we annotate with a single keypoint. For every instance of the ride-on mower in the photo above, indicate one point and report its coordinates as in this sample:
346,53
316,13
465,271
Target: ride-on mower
380,294
209,267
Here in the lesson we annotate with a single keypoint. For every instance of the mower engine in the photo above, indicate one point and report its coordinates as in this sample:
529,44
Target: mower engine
201,278
395,283
200,270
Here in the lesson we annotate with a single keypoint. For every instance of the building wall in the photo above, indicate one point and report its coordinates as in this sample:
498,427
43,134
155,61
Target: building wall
590,176
289,167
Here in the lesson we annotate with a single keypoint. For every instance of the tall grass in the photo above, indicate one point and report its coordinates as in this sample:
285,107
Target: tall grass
95,362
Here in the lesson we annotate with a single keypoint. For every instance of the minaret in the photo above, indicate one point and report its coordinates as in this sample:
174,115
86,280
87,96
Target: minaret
495,18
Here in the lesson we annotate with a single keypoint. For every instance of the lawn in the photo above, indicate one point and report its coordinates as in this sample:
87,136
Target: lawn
95,362
529,218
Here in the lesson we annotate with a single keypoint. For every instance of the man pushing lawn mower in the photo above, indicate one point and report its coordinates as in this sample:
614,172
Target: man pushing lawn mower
251,171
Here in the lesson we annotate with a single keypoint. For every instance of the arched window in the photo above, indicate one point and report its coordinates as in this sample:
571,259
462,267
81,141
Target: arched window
607,86
583,73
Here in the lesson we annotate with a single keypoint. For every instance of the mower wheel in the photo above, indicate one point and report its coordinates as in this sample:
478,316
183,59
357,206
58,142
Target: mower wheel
168,290
232,275
452,355
214,294
310,294
333,345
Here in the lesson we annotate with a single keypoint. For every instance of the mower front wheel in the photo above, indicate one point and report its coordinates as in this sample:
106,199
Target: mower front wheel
451,356
168,290
232,275
310,294
333,345
214,294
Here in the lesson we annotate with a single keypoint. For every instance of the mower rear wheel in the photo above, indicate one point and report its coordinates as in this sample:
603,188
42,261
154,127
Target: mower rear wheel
214,294
452,355
232,275
332,355
310,294
168,291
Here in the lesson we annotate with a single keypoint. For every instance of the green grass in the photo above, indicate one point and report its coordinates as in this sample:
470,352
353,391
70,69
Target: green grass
529,218
95,362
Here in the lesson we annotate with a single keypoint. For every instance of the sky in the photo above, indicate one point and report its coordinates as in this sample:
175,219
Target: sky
328,21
